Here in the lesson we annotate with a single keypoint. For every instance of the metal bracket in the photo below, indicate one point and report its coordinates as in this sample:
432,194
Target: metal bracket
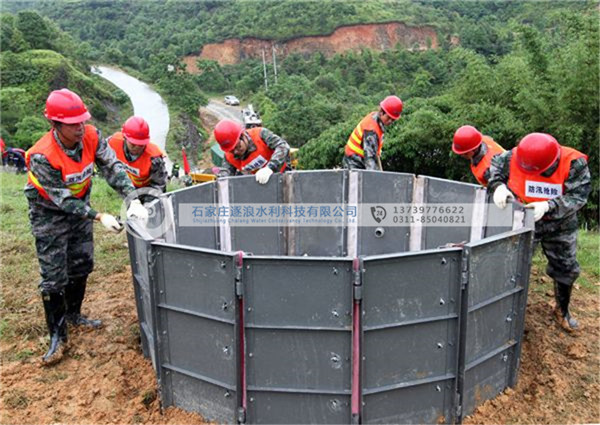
464,272
357,278
239,266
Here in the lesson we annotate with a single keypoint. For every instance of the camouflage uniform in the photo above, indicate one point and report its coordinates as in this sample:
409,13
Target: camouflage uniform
557,230
479,155
370,143
62,226
281,154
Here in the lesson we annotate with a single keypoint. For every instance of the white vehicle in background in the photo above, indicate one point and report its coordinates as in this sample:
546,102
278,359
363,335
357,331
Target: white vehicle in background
250,117
232,100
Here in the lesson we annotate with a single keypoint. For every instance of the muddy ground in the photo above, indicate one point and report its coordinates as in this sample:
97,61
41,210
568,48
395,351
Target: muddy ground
105,378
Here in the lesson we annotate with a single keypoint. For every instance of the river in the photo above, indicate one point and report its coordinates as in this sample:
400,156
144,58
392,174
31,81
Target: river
146,103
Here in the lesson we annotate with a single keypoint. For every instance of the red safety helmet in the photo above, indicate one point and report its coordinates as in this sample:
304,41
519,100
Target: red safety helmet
136,131
392,105
536,152
466,139
67,107
227,133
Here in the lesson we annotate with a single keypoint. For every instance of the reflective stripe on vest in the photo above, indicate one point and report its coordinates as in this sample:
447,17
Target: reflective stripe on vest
138,170
257,159
479,170
354,146
75,175
534,187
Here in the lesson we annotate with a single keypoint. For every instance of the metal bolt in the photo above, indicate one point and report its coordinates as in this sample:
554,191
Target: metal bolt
248,267
335,404
164,332
161,291
334,313
251,399
513,279
225,306
167,373
438,388
223,264
227,394
250,354
444,261
226,350
442,302
249,308
508,318
505,357
335,271
440,345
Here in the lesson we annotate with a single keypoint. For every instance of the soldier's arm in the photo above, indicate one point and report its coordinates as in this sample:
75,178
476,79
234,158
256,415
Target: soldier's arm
281,149
158,174
227,169
371,147
577,189
112,169
499,170
51,180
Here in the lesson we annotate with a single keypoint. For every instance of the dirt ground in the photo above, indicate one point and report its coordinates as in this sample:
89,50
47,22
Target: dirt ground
105,378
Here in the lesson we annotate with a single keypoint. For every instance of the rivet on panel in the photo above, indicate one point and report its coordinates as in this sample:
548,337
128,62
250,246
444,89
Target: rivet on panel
161,291
250,354
164,332
334,313
251,399
335,271
508,318
438,388
223,264
249,309
440,345
505,357
442,302
248,267
227,394
444,261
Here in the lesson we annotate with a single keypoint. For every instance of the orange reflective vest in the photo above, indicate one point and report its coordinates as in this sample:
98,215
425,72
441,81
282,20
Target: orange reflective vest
138,170
76,175
354,146
535,187
257,159
479,170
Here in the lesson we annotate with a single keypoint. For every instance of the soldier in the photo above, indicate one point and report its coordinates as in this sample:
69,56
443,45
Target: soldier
144,161
555,181
478,149
363,149
251,151
58,190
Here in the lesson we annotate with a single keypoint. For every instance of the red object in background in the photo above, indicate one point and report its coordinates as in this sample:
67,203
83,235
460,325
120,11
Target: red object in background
2,146
186,164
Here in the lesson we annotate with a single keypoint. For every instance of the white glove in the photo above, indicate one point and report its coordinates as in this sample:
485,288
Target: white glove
137,210
501,196
539,209
263,175
110,222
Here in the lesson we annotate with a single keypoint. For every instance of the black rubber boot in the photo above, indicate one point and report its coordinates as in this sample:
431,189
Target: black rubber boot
54,307
74,293
562,293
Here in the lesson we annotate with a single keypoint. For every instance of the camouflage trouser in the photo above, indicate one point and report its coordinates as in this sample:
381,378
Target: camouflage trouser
64,245
353,162
559,243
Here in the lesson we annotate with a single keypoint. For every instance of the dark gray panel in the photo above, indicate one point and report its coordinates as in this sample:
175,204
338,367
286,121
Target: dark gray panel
493,268
489,327
213,402
297,408
297,359
317,187
407,353
410,287
200,346
199,281
486,380
256,240
440,191
382,187
156,215
200,236
295,292
429,403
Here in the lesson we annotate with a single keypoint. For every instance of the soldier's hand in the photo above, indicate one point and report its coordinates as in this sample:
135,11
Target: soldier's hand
263,175
137,210
111,223
501,196
539,209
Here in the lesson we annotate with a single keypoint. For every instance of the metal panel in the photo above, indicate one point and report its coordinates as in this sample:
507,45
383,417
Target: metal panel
438,191
139,254
426,403
293,408
298,338
316,187
383,187
409,287
196,329
200,236
257,240
410,336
